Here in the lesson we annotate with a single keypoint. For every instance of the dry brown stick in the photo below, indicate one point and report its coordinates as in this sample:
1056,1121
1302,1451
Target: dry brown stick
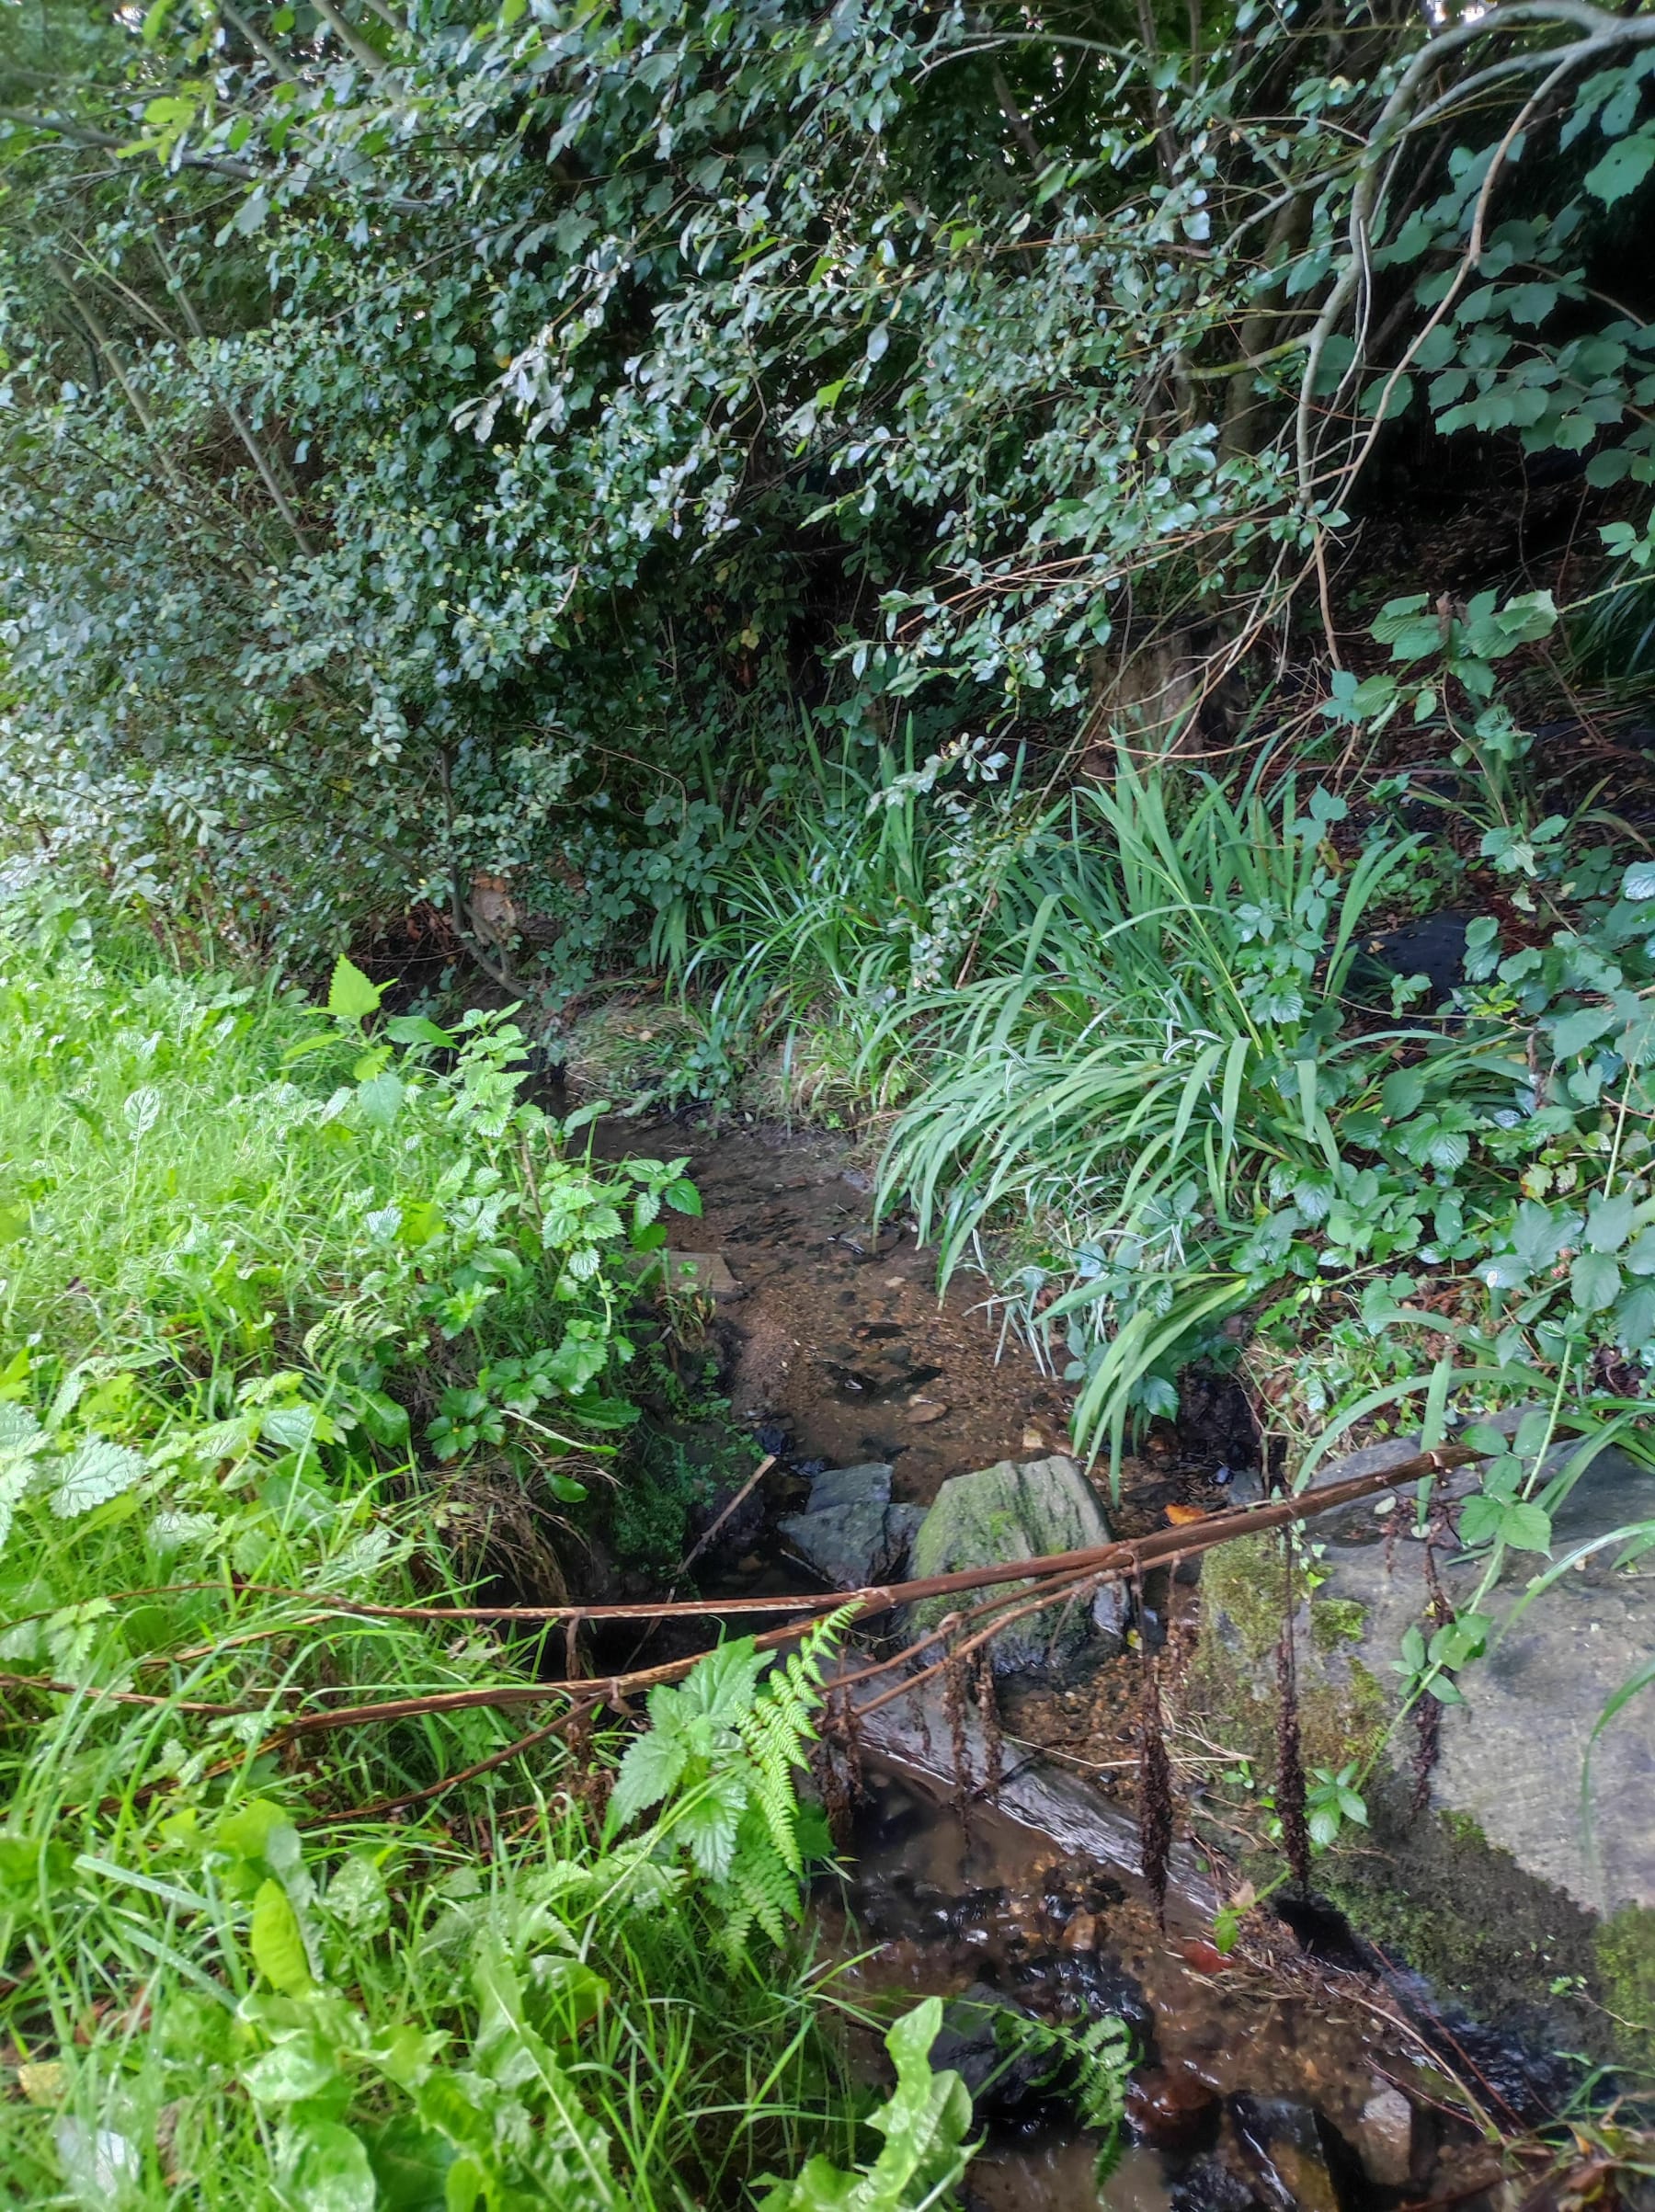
379,1809
1119,1559
707,1534
127,1697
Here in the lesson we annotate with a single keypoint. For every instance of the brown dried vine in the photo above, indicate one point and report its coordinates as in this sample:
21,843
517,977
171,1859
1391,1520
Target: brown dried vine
987,1697
1290,1763
1428,1713
954,1707
1155,1776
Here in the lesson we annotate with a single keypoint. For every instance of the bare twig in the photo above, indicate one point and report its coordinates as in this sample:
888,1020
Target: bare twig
707,1534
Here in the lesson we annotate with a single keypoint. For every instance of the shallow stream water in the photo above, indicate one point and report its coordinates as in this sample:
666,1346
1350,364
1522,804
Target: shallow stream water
1274,2079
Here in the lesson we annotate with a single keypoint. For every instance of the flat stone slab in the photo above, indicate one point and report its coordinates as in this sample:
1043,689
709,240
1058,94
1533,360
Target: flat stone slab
1514,1756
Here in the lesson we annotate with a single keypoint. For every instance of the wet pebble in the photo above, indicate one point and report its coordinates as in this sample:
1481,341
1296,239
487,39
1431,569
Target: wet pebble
1385,2138
1173,2109
1081,1935
1205,2185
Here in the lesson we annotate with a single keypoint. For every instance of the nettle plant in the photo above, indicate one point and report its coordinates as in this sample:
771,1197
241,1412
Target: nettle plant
514,1223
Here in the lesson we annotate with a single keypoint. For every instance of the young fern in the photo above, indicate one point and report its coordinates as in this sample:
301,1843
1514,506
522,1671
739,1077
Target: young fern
1089,2065
719,1757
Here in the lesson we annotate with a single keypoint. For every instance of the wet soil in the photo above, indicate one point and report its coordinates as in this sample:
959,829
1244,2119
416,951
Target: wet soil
836,1340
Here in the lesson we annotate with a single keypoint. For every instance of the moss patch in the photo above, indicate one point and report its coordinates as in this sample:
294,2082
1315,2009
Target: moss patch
1343,1711
1626,1963
1335,1621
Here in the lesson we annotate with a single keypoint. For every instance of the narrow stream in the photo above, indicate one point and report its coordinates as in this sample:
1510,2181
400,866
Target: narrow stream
1280,2078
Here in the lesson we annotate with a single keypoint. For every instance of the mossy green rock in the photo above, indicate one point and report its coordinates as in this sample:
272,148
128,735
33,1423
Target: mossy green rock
1012,1512
1512,1881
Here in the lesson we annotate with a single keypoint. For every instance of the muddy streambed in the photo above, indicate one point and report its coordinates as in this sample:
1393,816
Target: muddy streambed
1294,2073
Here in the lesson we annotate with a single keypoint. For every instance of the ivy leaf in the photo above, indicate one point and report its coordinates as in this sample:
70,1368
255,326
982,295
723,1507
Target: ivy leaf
1639,883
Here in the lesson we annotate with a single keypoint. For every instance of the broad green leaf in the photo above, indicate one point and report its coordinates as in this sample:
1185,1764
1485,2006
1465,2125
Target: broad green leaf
20,1432
1575,1031
416,1029
1527,1528
14,1475
380,1099
299,2066
332,2172
351,996
1402,1092
1609,1223
1596,1281
1622,169
94,1473
278,1941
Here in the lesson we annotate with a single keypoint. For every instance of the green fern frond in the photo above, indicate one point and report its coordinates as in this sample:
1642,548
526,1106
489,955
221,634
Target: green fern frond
766,1888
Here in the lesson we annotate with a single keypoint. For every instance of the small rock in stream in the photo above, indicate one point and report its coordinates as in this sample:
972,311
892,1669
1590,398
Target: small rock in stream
1007,1512
1173,2109
853,1545
1287,2146
869,1484
1205,2185
1385,2138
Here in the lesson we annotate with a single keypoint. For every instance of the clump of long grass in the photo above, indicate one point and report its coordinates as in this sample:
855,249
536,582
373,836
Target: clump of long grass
1163,1066
855,893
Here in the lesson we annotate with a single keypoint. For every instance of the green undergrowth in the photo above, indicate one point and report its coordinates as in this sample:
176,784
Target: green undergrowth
1133,1053
278,1281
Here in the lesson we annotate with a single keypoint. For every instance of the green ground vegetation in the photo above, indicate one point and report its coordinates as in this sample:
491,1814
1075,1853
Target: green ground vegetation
411,1959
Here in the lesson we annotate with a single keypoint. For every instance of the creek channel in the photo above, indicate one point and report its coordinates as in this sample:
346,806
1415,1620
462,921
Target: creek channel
1302,2070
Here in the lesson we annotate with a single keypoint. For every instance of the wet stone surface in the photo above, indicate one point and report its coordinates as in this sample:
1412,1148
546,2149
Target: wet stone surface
1251,2091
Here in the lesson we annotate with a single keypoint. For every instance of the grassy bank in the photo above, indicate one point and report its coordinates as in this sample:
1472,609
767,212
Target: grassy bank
1155,1054
289,1295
